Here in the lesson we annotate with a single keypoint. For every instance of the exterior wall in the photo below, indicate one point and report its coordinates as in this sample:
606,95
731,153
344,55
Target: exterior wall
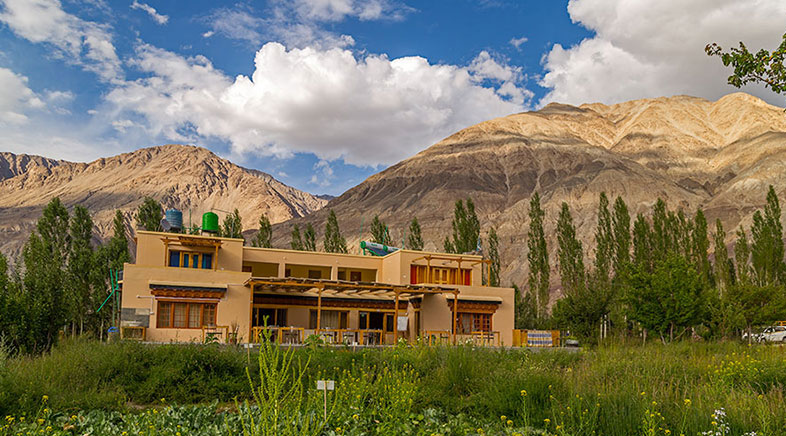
234,308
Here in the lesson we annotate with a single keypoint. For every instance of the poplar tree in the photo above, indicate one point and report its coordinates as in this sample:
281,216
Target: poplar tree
721,254
642,244
414,238
620,223
767,246
494,267
742,254
334,242
681,235
264,235
699,248
660,244
466,229
7,312
81,262
309,238
379,232
538,258
232,226
115,252
569,253
148,215
297,241
604,242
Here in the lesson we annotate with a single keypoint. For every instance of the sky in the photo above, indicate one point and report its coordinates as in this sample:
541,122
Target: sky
322,94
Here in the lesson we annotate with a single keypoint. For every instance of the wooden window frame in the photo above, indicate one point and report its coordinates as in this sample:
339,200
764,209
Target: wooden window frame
385,314
200,259
477,318
271,323
171,314
341,313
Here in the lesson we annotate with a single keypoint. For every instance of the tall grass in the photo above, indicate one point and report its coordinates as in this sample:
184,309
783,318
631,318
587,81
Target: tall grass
612,390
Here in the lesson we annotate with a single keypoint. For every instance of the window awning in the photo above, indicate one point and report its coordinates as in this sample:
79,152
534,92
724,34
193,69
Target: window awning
476,298
187,290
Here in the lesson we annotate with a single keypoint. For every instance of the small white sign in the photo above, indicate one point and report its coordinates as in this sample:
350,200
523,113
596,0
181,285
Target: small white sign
326,385
403,322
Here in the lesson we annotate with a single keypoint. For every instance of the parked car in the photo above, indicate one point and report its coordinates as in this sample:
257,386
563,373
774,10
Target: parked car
776,333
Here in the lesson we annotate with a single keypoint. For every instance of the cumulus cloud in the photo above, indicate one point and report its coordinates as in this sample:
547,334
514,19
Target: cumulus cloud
158,18
81,42
338,10
518,42
16,98
655,48
323,174
368,110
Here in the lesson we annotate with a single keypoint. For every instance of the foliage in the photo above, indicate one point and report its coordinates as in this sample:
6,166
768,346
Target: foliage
334,242
148,215
538,280
723,267
232,226
309,238
604,242
494,258
379,232
264,235
297,239
620,225
767,245
762,67
414,237
525,310
466,229
742,255
569,253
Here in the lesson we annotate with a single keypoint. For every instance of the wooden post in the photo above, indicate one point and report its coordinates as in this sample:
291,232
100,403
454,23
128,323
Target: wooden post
395,320
319,309
215,258
428,269
455,307
166,252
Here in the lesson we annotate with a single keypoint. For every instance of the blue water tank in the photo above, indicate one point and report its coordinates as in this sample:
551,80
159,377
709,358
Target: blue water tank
175,218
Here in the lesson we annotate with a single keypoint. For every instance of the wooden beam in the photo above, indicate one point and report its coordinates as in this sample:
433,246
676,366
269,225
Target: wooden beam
319,310
455,305
395,321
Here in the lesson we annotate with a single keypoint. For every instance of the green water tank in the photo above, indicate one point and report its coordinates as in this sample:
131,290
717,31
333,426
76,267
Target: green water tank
210,222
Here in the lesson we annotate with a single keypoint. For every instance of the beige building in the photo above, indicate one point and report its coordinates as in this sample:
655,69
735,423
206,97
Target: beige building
186,288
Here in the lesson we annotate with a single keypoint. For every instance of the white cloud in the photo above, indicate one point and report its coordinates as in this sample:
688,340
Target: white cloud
338,10
158,18
77,41
16,98
368,110
655,48
518,42
323,174
238,23
208,34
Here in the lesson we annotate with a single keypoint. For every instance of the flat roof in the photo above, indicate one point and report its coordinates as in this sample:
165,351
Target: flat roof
347,287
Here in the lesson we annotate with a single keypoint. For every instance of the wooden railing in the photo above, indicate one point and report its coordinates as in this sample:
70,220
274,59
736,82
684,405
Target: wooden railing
282,335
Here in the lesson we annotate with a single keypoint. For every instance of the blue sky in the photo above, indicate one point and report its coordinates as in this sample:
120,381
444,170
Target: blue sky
323,93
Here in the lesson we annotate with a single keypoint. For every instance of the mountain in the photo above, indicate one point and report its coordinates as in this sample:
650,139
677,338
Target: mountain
719,156
189,178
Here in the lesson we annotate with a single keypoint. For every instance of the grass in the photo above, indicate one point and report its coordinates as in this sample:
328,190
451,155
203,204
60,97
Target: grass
612,390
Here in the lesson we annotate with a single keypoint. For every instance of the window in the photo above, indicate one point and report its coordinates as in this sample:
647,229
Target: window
274,317
375,321
314,274
247,268
342,275
186,259
185,315
473,322
330,319
444,276
355,276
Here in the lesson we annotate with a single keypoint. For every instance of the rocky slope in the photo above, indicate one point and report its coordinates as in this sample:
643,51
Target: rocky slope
719,156
186,177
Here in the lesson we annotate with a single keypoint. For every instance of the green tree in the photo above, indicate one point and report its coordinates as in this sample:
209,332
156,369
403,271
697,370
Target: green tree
81,263
379,232
414,238
525,310
466,229
620,224
232,226
583,308
111,255
762,67
537,258
642,244
667,301
148,215
660,239
297,240
494,267
334,242
756,305
767,246
265,233
7,312
742,255
700,244
570,253
45,258
604,242
721,254
309,238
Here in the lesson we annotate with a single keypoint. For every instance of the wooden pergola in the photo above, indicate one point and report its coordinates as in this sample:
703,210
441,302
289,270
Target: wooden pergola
472,261
351,288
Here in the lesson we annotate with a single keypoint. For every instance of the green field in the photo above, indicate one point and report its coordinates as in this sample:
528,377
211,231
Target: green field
86,387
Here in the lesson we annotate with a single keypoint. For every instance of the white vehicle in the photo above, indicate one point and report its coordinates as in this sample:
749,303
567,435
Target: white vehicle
775,333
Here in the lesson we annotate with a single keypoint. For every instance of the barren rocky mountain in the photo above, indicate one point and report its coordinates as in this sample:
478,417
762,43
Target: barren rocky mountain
186,177
719,156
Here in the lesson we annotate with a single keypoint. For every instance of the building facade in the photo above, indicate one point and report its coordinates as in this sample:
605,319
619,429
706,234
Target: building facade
186,288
